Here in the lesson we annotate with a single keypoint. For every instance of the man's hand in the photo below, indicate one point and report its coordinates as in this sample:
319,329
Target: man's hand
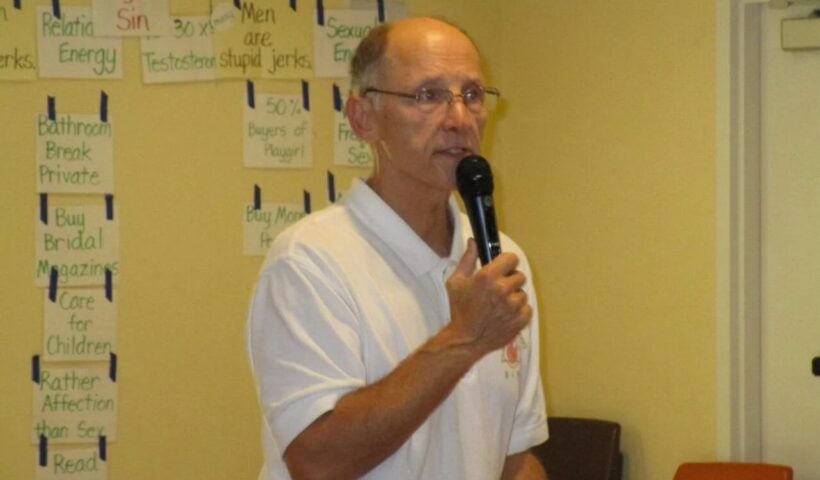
487,307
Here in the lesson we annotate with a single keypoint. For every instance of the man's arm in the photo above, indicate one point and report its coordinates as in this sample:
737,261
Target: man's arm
523,466
488,309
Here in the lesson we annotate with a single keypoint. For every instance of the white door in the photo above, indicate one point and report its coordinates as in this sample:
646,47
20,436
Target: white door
790,320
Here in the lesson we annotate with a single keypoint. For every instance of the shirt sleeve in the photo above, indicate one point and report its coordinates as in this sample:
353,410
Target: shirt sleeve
304,346
530,422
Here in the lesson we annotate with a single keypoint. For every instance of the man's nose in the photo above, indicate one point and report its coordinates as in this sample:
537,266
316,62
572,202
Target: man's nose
457,114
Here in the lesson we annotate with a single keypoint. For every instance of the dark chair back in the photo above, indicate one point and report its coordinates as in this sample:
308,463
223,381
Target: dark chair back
581,449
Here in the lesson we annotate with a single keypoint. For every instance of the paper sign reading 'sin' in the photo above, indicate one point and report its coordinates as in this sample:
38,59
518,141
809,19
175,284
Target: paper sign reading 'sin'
131,18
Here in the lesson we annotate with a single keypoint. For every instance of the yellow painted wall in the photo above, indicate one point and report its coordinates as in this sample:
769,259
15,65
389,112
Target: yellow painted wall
606,160
605,167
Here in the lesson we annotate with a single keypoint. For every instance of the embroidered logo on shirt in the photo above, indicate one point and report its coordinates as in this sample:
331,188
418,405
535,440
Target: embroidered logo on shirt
511,355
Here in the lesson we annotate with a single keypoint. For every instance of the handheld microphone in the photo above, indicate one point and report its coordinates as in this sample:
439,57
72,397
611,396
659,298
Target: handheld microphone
475,184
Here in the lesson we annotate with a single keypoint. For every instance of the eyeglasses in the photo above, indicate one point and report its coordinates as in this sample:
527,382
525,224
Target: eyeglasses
429,100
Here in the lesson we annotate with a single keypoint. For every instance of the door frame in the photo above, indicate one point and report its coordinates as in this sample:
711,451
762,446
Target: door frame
738,230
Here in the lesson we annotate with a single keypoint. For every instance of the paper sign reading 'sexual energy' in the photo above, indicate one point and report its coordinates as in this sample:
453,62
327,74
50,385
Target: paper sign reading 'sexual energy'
80,242
74,404
79,462
335,42
262,225
79,325
68,48
75,154
187,55
278,132
18,49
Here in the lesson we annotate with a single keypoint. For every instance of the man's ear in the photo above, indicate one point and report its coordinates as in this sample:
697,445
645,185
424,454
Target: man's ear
360,112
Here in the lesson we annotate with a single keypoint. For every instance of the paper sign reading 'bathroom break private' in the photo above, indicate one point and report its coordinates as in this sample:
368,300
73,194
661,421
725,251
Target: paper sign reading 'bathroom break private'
75,154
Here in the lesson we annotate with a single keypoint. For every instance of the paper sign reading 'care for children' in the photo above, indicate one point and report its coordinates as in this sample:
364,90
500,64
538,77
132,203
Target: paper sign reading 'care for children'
80,242
75,462
187,55
278,132
335,42
75,154
18,50
67,47
131,18
75,404
79,325
262,225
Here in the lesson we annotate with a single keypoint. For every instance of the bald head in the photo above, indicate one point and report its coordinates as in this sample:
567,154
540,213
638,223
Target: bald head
375,49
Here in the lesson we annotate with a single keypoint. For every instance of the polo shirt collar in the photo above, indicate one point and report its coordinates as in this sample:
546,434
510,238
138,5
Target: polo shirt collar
378,217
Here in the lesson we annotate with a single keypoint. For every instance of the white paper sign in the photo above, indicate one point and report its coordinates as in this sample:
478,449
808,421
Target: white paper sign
80,242
75,154
264,224
187,55
68,48
131,18
76,462
335,42
278,132
348,149
79,325
74,404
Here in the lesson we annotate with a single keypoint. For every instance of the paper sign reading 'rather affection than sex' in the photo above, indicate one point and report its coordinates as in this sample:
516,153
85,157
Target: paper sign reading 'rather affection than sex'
74,404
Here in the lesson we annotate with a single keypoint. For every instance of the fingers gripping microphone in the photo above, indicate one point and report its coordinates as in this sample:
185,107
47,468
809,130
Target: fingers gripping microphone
475,184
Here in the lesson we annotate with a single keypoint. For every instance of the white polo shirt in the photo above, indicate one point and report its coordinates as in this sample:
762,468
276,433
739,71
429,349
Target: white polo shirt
344,296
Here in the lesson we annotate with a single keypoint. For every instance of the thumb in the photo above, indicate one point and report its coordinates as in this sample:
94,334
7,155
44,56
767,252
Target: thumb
467,265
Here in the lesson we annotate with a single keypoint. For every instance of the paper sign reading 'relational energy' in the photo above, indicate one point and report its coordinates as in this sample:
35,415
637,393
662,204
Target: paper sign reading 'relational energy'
68,48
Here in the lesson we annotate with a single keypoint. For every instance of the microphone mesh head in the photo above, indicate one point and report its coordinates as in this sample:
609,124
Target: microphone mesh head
474,177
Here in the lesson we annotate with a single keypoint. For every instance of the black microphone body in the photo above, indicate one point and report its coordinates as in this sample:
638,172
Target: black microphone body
475,184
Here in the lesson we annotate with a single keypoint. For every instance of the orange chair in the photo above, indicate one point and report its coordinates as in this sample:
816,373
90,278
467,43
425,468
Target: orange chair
733,471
